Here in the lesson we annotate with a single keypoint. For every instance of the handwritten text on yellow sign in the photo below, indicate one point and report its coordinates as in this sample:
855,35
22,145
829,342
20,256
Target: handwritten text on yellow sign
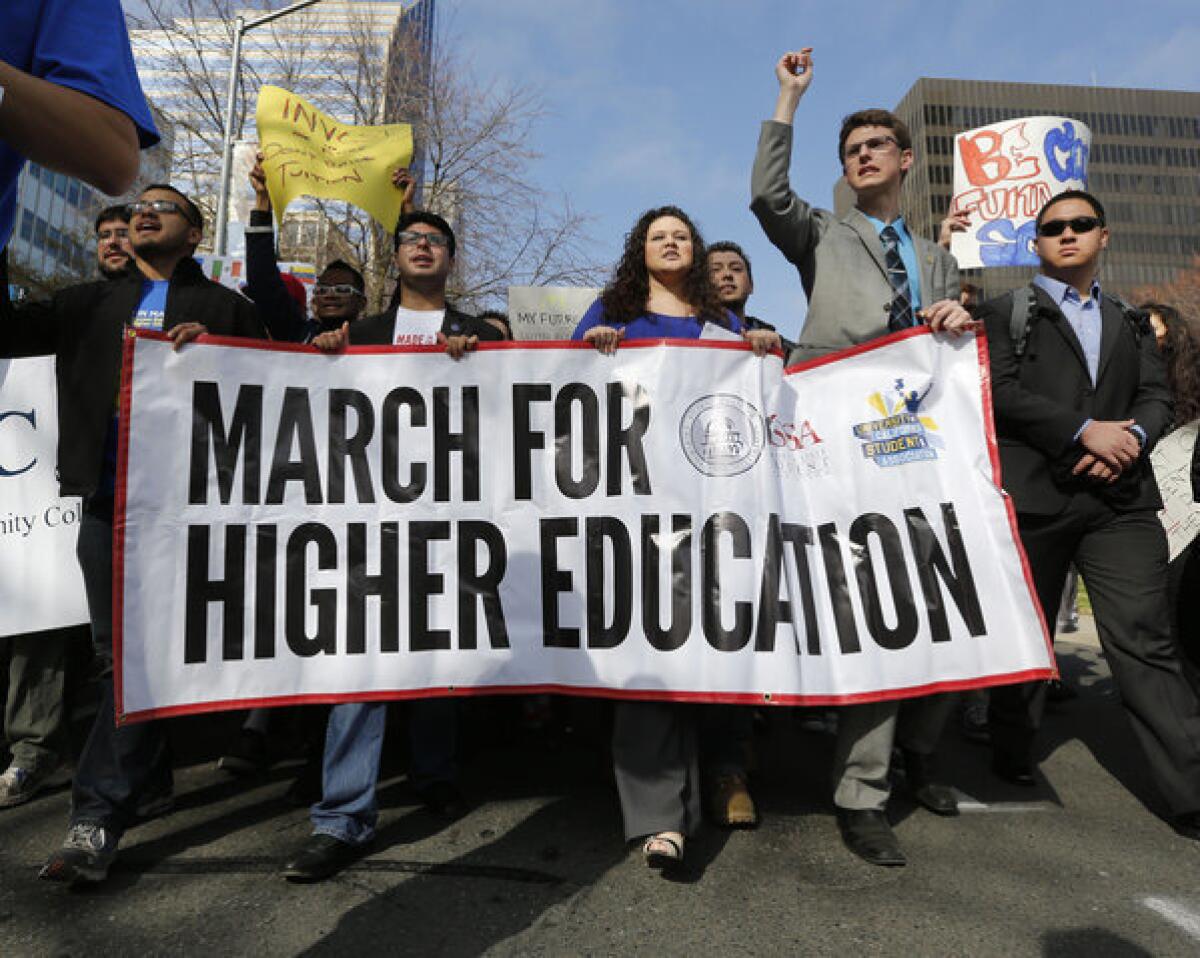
308,153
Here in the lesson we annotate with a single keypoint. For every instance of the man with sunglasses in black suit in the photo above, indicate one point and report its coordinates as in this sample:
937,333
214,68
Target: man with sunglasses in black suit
1080,399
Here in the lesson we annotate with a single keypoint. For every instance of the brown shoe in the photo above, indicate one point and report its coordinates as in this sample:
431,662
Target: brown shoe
729,802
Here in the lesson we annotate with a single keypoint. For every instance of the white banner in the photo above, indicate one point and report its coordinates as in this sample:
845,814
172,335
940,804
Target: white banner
1004,174
680,522
1172,462
40,583
548,312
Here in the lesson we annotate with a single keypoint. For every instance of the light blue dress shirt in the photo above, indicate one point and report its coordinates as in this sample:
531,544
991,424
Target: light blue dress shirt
1084,317
1087,324
908,255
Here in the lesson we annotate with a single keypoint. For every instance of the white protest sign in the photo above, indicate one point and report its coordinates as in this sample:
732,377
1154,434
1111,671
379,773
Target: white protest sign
40,583
1003,174
1172,462
677,521
548,312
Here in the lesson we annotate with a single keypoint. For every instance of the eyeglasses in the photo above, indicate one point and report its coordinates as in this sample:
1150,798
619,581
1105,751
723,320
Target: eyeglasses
341,289
160,206
875,144
414,237
1078,224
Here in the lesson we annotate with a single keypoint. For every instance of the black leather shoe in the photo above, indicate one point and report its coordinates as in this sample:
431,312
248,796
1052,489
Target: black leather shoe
1016,771
1059,693
867,833
939,799
322,856
441,798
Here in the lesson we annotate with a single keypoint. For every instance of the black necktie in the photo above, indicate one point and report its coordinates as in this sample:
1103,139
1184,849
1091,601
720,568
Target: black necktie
900,316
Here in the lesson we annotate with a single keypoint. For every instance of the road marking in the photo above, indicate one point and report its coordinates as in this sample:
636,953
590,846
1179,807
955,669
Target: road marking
1177,913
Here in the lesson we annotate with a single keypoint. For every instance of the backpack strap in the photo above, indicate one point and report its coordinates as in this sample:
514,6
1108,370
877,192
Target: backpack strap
1138,319
1023,302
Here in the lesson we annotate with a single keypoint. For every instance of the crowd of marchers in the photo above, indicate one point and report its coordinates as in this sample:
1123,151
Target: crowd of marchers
1083,387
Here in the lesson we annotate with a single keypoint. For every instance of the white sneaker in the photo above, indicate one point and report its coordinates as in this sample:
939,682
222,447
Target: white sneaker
85,856
19,785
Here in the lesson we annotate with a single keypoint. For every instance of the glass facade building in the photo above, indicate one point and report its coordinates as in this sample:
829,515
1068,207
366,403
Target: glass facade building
1144,167
53,231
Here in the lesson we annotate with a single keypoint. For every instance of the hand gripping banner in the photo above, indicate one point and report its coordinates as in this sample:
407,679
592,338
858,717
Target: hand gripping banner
679,521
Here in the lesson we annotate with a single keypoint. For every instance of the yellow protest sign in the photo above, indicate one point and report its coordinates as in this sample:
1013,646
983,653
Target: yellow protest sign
309,153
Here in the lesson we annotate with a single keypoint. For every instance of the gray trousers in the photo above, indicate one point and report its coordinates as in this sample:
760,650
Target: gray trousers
866,734
656,767
34,714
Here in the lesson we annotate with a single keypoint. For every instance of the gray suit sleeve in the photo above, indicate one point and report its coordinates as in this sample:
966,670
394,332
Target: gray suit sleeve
953,285
946,282
790,223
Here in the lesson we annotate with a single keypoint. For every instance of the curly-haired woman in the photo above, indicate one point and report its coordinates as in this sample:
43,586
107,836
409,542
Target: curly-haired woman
1180,350
660,289
1181,353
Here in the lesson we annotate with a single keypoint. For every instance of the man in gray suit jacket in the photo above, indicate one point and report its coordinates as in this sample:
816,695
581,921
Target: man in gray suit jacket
865,275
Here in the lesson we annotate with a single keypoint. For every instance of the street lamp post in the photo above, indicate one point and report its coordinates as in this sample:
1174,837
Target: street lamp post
242,26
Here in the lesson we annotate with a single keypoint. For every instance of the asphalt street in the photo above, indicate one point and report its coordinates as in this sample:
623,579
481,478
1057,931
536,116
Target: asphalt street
1083,864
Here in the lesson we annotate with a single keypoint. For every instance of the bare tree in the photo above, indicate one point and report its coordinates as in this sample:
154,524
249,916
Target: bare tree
1183,292
472,155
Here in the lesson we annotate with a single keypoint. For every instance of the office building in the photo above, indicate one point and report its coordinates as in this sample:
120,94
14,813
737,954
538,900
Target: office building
53,233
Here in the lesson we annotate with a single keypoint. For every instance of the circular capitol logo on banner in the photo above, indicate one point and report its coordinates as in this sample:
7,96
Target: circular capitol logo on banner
722,435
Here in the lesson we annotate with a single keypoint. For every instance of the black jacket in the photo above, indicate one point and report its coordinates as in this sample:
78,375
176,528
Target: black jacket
284,318
1042,398
379,329
83,327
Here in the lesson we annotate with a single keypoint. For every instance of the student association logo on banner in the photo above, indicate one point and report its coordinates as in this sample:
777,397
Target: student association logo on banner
795,447
902,435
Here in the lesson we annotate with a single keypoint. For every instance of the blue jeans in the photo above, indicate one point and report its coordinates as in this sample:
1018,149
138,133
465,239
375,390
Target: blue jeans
353,747
118,767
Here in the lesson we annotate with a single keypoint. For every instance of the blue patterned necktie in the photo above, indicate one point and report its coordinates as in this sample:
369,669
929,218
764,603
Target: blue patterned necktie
900,316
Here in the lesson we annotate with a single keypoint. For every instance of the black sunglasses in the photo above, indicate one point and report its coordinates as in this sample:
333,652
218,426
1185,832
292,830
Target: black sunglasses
1080,224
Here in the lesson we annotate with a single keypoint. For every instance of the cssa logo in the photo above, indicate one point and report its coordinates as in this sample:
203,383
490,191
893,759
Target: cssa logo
901,434
790,435
796,449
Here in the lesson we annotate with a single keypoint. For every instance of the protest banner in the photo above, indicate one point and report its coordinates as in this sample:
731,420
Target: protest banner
40,583
548,312
309,153
1003,174
1172,463
678,521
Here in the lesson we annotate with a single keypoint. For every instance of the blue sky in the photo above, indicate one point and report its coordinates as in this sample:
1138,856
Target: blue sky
659,101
